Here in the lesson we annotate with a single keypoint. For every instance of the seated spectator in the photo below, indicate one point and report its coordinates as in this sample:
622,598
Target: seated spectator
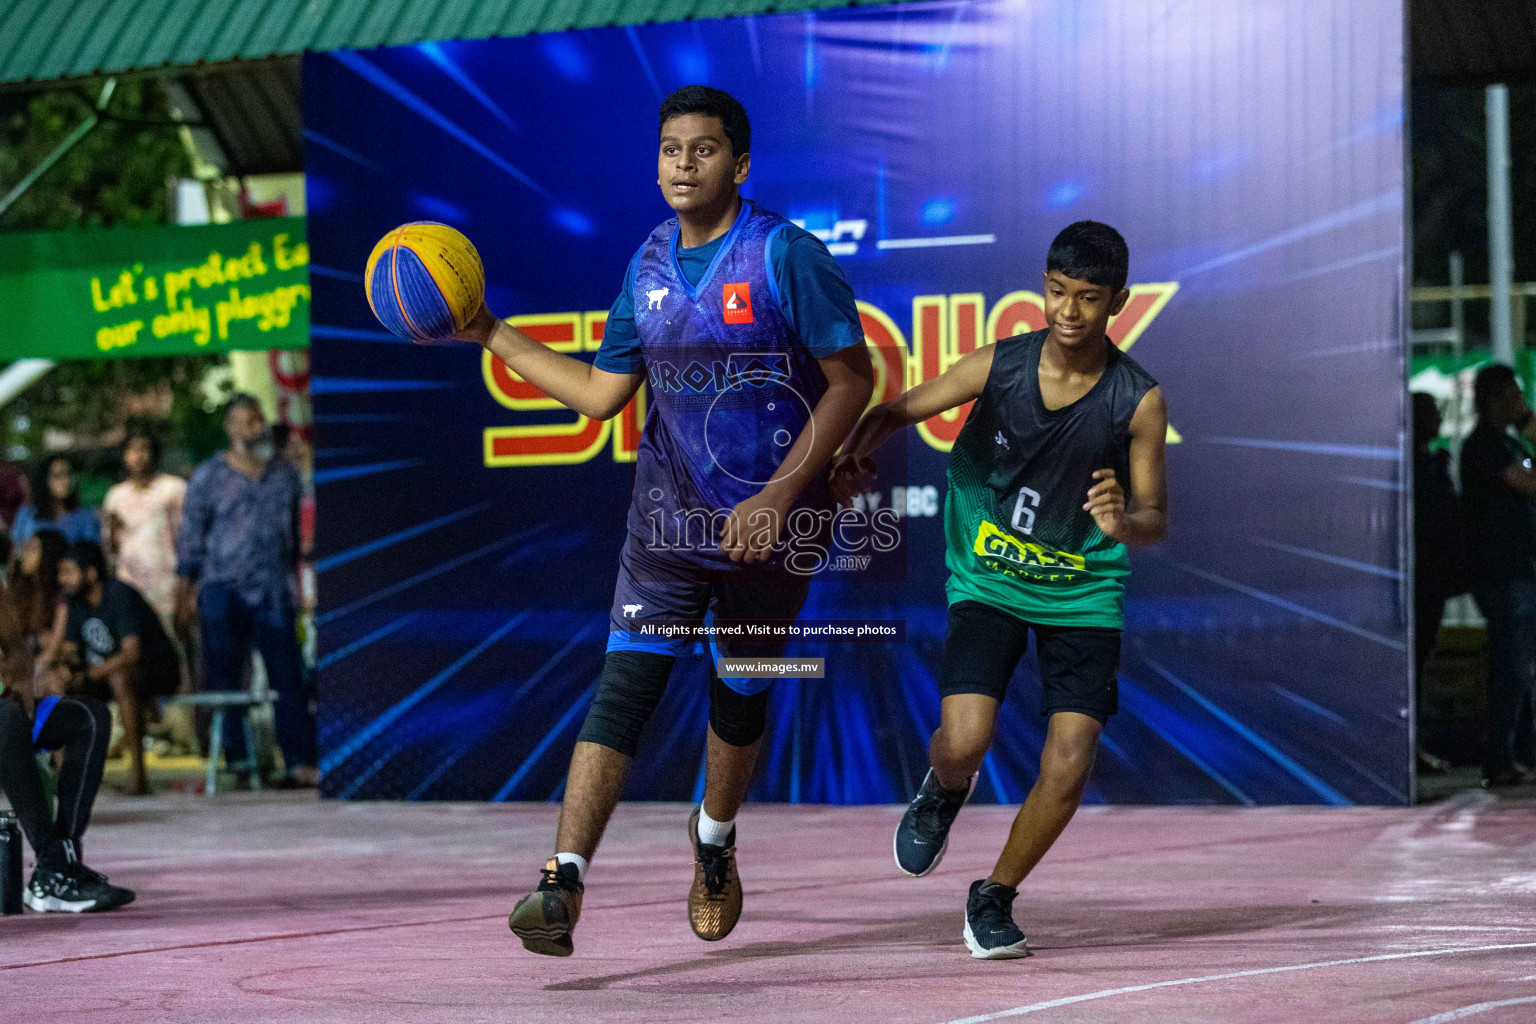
16,653
55,502
116,647
34,597
13,492
81,728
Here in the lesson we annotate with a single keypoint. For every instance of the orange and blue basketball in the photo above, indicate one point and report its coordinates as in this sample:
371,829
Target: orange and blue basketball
425,281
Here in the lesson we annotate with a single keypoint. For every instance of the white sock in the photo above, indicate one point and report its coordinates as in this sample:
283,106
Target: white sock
712,832
573,858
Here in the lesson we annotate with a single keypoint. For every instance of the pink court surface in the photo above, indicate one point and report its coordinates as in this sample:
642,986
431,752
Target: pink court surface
274,907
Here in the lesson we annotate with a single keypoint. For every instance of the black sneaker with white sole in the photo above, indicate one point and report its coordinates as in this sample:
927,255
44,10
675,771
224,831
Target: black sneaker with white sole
119,895
923,835
545,918
990,933
61,884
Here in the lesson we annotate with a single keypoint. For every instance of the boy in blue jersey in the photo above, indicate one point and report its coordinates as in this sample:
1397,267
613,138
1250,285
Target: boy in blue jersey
748,335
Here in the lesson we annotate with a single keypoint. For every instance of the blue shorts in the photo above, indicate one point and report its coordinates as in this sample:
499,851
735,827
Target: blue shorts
655,588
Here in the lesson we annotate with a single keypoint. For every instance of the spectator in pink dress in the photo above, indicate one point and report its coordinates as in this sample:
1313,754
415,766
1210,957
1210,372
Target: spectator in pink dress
143,517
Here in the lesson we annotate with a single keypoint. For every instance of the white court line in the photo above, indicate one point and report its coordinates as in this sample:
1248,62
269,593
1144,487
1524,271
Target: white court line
923,243
1051,1004
1475,1008
1460,928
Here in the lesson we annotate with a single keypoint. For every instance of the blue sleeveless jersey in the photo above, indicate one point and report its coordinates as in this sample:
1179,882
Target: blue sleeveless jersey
730,388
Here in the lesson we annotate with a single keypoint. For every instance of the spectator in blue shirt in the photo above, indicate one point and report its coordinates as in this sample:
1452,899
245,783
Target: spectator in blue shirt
236,556
55,503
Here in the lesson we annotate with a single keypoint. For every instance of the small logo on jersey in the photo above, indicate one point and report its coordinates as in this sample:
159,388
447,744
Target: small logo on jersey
631,610
1001,439
656,295
738,303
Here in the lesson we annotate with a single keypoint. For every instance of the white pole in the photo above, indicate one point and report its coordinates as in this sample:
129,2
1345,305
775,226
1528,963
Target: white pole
20,375
1501,269
1458,349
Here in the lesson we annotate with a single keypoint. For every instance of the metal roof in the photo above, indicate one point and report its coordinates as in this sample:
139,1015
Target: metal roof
253,110
238,58
43,40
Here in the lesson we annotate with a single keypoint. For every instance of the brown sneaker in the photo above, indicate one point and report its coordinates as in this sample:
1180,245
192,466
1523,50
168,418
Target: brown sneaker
545,917
714,902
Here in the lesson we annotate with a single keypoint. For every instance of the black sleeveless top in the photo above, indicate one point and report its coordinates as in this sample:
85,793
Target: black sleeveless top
1019,473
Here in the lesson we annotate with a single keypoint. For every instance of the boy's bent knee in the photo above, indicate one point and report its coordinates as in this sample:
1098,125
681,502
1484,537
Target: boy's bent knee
628,691
966,741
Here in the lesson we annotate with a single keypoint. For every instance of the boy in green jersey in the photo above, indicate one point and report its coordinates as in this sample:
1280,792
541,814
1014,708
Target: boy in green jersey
1036,525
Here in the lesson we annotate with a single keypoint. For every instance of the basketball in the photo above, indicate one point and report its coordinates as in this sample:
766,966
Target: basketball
424,281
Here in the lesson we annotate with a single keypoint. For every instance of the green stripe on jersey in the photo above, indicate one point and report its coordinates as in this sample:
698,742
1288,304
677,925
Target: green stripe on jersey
990,563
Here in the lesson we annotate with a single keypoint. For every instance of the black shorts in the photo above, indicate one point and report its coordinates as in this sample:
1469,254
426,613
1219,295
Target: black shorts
1077,663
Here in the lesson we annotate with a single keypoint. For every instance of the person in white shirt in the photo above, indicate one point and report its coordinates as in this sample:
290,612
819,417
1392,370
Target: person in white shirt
143,516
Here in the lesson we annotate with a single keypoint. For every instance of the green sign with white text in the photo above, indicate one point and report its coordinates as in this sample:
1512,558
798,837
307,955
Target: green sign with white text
129,292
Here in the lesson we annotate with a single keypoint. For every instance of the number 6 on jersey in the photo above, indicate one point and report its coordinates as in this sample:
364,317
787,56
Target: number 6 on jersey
1024,510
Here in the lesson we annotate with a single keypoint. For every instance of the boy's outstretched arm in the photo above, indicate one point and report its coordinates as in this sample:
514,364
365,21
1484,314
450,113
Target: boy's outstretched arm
574,384
854,469
1145,521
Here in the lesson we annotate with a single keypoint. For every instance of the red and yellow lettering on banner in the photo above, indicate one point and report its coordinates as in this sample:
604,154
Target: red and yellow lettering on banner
944,328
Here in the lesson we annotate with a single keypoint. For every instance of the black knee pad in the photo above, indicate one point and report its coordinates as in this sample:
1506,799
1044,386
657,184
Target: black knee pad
737,719
627,693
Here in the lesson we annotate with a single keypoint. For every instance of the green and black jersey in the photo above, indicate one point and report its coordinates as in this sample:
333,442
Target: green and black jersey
1016,535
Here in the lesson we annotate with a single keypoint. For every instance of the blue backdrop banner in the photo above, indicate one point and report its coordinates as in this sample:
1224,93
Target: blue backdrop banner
1251,154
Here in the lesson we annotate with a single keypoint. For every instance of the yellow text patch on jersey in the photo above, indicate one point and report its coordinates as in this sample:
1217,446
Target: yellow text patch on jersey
993,541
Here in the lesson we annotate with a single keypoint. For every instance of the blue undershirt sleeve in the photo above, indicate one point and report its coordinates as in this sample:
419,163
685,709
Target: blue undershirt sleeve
813,293
620,350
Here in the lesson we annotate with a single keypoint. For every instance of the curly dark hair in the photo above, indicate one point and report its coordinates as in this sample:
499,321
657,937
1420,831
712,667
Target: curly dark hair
1092,252
701,99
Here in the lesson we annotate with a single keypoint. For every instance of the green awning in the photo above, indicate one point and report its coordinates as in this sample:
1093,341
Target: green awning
42,40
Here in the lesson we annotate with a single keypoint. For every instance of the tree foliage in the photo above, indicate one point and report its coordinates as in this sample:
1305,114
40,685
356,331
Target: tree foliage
114,176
